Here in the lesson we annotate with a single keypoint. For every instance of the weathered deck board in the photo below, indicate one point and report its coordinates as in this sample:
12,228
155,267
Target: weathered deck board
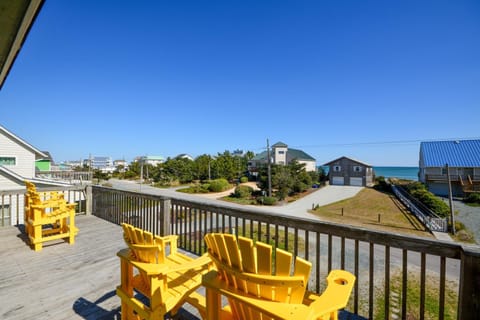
62,281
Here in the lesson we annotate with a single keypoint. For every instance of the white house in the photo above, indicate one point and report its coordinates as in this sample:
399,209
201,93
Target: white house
281,154
17,160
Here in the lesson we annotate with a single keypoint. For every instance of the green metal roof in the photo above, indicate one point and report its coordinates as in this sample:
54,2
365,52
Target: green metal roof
292,154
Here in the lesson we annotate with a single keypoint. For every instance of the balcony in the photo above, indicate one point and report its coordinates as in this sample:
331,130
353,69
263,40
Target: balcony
399,277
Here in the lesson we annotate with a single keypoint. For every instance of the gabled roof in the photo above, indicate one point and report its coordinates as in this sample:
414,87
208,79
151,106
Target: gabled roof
291,155
298,155
460,153
16,19
353,160
280,145
38,153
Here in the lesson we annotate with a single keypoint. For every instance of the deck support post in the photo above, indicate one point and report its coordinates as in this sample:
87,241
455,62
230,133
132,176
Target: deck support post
469,291
164,218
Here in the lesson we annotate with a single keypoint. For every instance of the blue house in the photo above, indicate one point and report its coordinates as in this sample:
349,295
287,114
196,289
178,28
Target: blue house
463,160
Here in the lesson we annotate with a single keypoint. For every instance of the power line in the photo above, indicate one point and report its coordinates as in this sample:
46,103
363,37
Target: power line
351,144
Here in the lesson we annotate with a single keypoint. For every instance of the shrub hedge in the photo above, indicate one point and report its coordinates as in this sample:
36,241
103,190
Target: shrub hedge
243,192
473,198
420,192
218,185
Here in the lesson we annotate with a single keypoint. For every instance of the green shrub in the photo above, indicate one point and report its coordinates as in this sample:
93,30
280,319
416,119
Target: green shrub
473,198
243,179
382,185
420,192
218,185
243,192
268,201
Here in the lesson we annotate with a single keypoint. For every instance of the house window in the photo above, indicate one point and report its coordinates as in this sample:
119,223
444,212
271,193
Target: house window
281,152
357,169
337,168
5,214
444,171
8,161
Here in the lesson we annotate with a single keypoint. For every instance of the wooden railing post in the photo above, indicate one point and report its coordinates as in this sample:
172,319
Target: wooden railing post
164,218
88,200
469,291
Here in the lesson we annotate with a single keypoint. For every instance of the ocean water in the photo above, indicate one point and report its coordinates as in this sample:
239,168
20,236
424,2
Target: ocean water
409,173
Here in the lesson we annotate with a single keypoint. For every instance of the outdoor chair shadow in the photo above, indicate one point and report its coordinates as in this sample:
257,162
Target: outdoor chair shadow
92,310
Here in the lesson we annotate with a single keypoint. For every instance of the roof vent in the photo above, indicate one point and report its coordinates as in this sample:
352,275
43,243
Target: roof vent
457,142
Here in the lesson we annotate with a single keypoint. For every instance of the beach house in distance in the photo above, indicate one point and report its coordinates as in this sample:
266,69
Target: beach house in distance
463,159
281,154
349,172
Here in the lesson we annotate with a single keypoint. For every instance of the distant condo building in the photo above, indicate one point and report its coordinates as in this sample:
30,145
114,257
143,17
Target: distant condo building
104,164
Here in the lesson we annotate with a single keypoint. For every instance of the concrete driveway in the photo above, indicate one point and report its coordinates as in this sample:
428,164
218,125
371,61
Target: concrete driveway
326,195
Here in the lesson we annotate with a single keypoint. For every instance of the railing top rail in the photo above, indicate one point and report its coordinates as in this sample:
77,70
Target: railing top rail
43,189
131,193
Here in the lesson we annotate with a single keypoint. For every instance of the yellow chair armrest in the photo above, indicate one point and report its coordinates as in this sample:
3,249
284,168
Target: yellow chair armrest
339,286
202,261
153,269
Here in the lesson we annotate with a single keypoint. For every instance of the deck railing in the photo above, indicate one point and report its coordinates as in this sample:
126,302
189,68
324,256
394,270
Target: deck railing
72,177
12,202
398,276
426,216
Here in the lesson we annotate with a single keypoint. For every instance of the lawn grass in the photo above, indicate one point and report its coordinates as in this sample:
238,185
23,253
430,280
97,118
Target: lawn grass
373,209
413,297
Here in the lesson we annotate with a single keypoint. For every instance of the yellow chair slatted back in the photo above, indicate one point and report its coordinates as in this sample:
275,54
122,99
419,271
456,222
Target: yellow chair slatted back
144,245
249,268
260,284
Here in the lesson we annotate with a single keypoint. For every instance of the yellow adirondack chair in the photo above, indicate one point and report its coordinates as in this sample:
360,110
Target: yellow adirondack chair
254,291
48,217
153,268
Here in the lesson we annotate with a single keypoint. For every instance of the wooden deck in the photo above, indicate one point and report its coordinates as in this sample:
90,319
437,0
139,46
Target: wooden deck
67,281
63,281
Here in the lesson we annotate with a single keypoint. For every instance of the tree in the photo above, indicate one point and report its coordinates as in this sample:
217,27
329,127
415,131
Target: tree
286,179
202,167
224,166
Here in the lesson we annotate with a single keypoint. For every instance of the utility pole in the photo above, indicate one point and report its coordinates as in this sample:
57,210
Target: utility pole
450,200
209,170
269,170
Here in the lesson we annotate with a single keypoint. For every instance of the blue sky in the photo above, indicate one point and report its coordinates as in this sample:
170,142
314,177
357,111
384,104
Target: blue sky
363,79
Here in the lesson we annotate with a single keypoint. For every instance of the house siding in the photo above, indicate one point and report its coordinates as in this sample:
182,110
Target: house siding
25,158
7,184
347,171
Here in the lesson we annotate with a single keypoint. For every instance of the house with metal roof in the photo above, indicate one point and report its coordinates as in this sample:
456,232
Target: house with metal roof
281,154
349,172
463,160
